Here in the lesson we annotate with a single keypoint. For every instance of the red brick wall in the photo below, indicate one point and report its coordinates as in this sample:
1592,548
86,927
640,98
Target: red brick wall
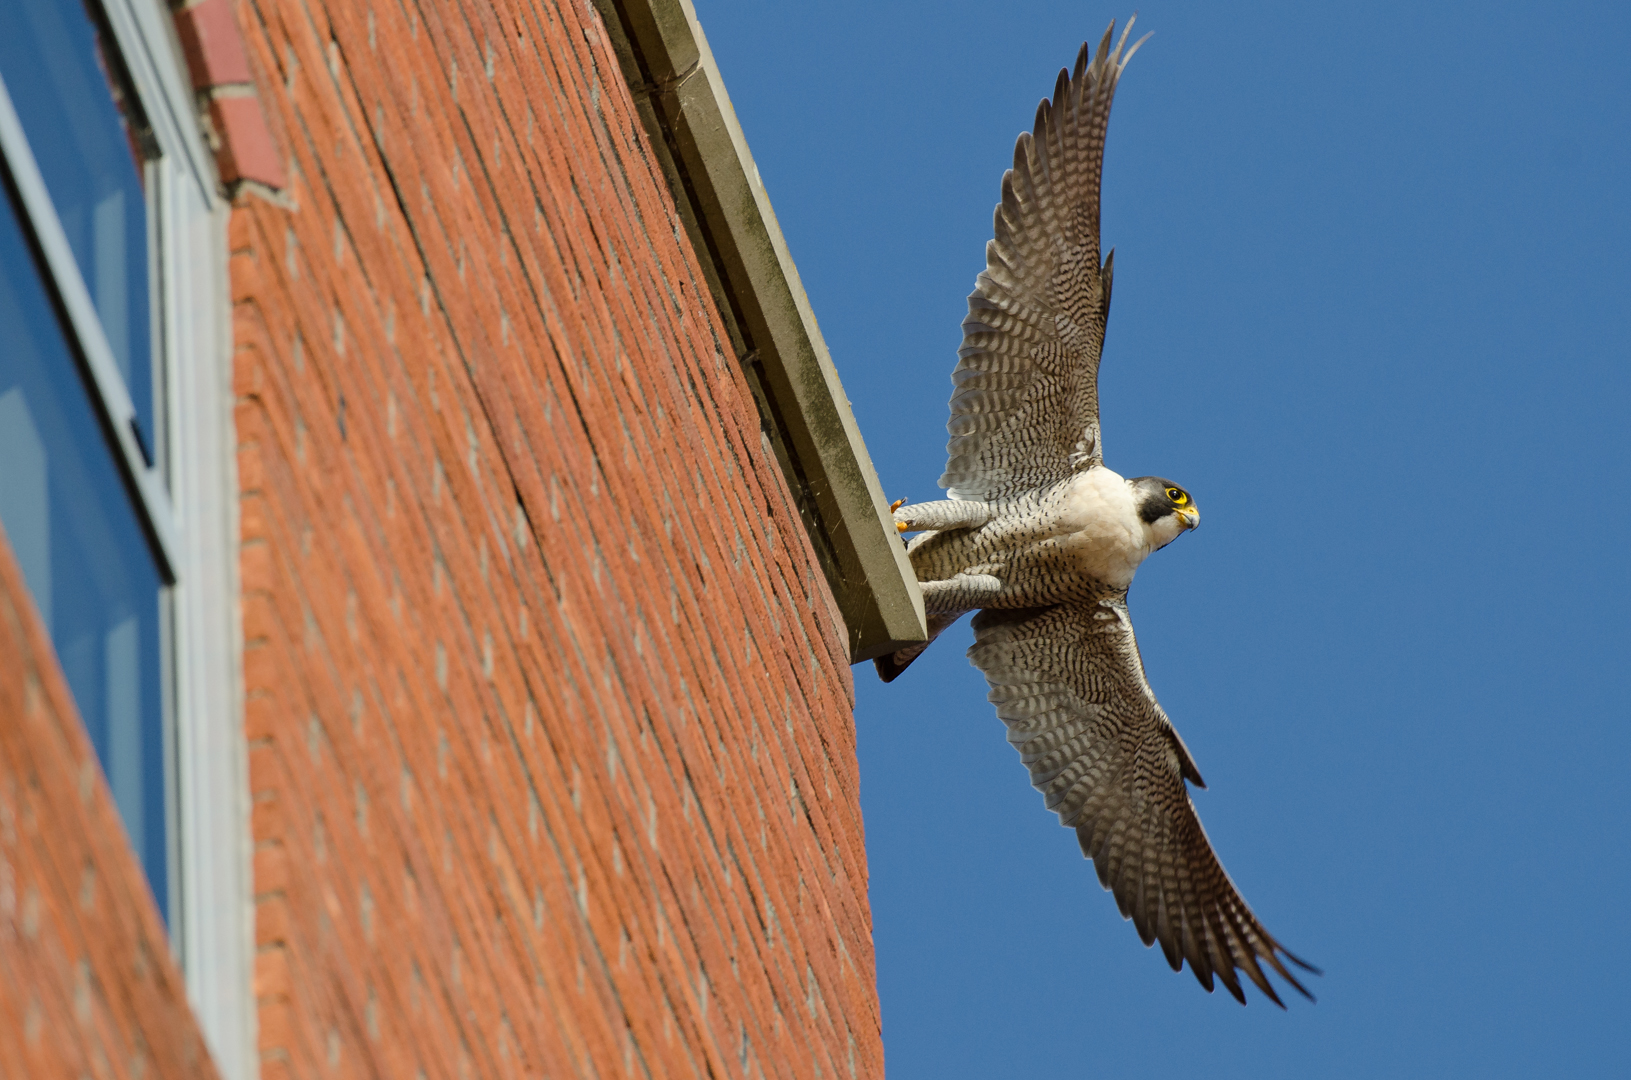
548,706
87,986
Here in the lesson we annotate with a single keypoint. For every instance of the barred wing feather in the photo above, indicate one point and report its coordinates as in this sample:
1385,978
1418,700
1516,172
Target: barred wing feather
1025,408
1069,683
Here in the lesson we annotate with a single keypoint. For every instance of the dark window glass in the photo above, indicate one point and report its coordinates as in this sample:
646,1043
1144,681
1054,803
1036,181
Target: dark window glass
74,531
76,111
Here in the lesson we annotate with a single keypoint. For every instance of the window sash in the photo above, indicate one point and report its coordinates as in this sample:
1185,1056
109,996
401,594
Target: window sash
109,393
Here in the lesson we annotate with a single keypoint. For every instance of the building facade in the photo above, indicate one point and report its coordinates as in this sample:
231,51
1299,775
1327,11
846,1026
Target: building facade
476,699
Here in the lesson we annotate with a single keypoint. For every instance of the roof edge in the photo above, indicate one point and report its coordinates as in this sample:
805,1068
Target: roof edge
804,413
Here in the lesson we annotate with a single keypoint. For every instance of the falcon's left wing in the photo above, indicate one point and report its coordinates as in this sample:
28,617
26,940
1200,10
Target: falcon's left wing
1069,683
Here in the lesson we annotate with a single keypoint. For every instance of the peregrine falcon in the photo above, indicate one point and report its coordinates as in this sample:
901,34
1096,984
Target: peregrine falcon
1042,539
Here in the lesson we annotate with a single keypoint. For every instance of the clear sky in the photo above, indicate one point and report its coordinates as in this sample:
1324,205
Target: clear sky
1373,308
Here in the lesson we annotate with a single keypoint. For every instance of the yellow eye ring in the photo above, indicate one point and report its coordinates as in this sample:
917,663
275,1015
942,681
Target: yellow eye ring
1177,496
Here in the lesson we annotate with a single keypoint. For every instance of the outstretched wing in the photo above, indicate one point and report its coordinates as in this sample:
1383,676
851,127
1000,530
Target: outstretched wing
1069,683
1025,408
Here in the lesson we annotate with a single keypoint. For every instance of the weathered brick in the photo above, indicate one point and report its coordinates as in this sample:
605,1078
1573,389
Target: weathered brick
212,44
247,151
485,267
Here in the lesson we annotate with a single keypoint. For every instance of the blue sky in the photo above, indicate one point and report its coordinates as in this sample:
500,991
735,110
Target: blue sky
1373,308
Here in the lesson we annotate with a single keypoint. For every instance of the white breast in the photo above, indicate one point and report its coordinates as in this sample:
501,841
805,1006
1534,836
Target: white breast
1107,539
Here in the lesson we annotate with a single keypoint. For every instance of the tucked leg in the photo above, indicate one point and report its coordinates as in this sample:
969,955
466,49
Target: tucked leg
943,514
960,593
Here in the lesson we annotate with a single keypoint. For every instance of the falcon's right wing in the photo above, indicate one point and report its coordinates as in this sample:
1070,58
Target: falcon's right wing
1025,411
1069,683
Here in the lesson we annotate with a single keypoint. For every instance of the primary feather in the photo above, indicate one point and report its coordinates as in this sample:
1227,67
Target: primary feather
1025,411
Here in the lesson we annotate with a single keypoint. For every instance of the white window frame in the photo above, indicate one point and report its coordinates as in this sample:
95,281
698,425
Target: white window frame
189,501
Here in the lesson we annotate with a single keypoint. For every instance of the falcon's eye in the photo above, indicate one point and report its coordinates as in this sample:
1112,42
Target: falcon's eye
1177,496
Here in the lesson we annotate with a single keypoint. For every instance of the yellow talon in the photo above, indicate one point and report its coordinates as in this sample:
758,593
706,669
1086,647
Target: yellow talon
900,526
896,505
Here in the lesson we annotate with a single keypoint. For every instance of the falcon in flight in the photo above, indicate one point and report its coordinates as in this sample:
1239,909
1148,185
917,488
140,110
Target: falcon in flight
1042,538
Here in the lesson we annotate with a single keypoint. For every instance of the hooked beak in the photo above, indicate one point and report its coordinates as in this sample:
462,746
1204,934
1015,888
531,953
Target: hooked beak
1190,516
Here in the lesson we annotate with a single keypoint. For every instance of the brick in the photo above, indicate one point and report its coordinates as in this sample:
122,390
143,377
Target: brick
272,975
212,44
247,151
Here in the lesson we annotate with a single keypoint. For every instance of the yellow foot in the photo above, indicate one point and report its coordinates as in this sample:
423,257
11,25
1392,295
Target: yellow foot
896,505
900,526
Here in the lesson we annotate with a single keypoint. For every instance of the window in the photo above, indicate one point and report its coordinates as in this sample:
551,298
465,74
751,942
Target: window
76,397
118,489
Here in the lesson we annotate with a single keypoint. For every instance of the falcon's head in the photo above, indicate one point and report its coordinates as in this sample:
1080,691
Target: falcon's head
1165,508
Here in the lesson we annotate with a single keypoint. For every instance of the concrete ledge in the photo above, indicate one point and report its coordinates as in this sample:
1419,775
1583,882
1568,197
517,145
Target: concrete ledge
804,414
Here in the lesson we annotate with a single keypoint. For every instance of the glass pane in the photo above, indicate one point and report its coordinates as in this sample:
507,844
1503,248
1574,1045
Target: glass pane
57,74
74,531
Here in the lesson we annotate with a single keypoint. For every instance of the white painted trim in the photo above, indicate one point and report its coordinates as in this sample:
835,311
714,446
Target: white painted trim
215,928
